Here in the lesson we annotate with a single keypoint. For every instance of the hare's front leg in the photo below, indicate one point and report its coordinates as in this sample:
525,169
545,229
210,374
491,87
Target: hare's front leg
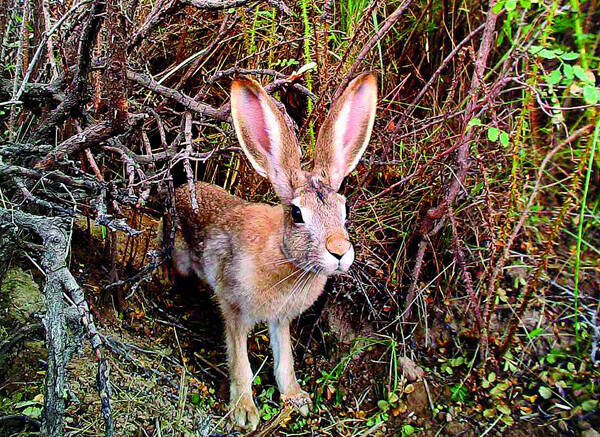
284,367
245,414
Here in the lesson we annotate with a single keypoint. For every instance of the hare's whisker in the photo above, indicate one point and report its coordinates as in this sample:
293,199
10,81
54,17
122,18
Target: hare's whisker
298,285
279,262
297,270
294,272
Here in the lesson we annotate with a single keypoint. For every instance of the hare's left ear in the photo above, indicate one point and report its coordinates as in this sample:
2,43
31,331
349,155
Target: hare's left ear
345,134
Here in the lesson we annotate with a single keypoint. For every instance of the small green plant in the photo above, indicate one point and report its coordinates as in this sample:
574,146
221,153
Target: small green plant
351,12
407,430
268,408
459,393
30,408
285,62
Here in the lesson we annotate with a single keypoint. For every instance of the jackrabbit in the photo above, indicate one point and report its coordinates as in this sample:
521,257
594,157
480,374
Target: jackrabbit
270,263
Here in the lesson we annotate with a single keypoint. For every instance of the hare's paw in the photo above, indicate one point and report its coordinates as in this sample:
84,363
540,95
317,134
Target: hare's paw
244,413
299,399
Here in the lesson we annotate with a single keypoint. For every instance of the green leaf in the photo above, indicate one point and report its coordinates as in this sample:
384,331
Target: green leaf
26,404
489,413
257,380
408,430
590,94
504,140
525,4
501,387
33,412
510,5
383,405
535,333
493,133
455,362
504,409
546,54
545,392
589,406
569,56
474,122
568,71
498,7
459,393
507,420
534,49
580,73
554,77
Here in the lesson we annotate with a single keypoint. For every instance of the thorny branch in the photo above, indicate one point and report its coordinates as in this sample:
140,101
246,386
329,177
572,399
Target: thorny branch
467,136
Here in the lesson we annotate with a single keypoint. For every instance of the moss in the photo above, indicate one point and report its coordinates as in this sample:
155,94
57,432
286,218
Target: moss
21,295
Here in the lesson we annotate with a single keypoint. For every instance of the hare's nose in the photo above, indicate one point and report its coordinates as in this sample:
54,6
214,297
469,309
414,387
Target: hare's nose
337,244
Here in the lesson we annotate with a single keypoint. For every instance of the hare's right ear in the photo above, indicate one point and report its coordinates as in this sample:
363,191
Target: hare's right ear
266,139
346,131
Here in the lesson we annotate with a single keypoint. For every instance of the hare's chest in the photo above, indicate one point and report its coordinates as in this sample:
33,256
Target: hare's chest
295,300
286,299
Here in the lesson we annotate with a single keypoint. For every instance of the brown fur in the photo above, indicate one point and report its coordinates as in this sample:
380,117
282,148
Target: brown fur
271,262
255,227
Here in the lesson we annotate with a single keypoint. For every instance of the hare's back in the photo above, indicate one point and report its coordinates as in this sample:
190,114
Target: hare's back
213,203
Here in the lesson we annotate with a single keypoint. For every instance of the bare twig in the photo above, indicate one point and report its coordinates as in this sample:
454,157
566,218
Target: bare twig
77,92
409,110
187,132
218,5
460,259
221,114
41,46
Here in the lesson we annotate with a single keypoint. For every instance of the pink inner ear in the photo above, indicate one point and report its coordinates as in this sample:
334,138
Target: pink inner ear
255,120
358,117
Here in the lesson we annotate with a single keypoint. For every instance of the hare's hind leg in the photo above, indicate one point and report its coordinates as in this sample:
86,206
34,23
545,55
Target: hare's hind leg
244,412
284,367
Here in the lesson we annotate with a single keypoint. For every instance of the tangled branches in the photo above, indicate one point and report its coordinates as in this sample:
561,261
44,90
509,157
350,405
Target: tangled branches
108,105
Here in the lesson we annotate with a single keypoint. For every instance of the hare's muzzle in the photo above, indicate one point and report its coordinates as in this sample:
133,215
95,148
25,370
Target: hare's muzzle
340,249
337,244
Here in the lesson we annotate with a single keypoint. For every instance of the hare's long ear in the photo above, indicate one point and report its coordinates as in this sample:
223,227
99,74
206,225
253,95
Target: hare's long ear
345,134
265,137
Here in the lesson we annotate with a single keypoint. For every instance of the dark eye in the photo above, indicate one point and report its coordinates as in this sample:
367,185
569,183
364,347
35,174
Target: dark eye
297,215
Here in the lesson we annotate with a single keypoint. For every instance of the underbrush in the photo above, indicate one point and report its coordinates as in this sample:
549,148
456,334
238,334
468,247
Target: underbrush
473,305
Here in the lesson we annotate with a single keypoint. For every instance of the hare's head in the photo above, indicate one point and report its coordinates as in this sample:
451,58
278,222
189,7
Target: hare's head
315,236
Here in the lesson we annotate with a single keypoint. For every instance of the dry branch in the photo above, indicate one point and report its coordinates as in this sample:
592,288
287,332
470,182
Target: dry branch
202,109
54,233
585,130
77,93
428,226
88,138
42,45
219,5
